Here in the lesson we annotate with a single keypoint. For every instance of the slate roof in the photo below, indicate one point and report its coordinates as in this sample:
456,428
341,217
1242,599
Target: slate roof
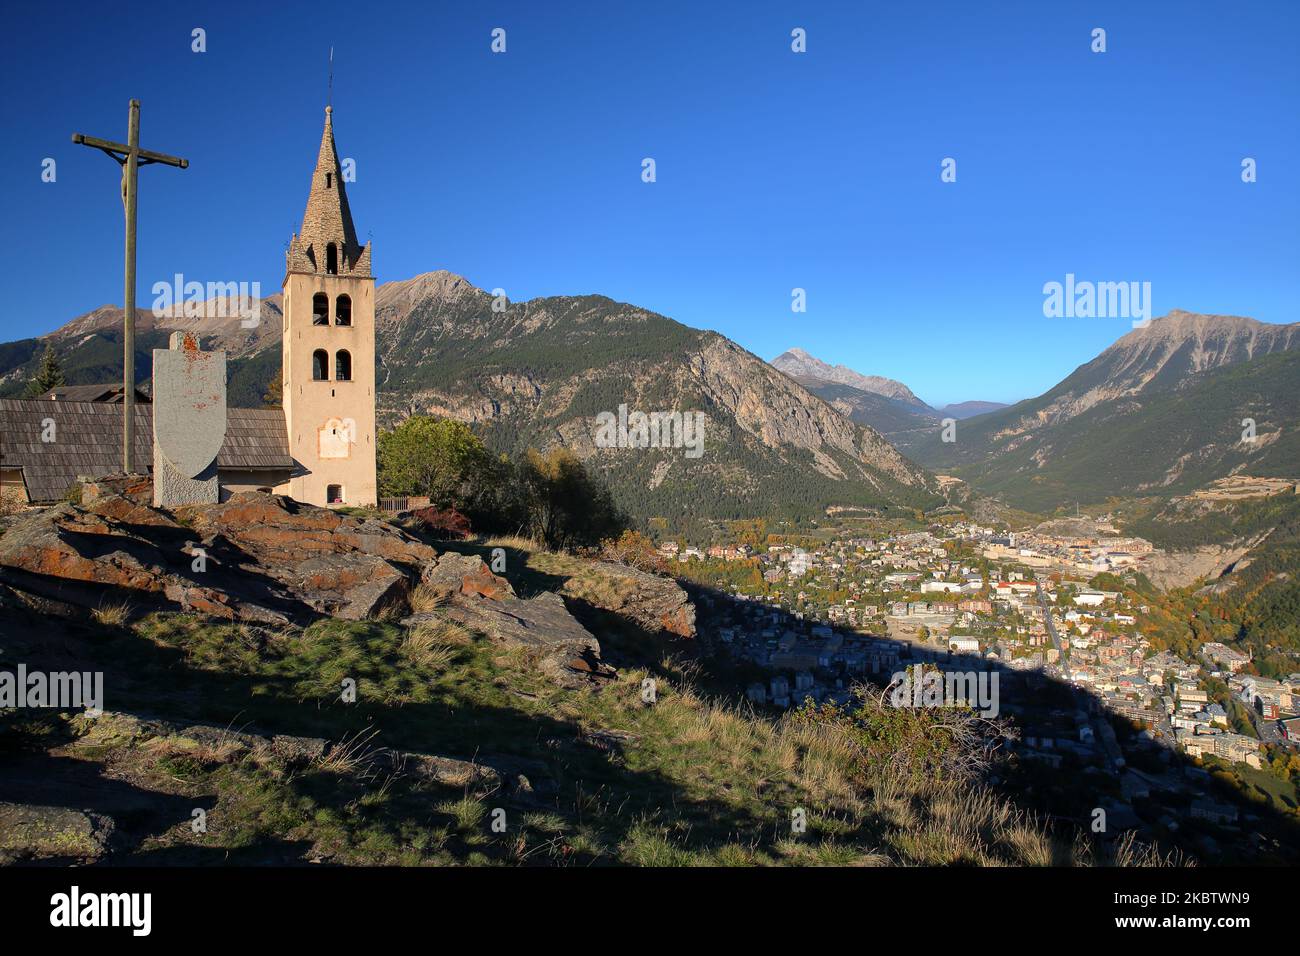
88,442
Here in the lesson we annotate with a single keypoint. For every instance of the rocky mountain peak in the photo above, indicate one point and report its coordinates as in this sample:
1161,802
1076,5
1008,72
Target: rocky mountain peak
799,364
438,286
1183,343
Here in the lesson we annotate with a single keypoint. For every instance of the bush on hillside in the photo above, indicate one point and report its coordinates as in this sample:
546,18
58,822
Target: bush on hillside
441,524
440,459
566,507
912,744
634,550
551,497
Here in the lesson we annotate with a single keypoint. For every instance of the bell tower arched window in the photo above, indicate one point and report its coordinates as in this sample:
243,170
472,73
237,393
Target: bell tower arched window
332,259
320,365
320,309
343,366
343,310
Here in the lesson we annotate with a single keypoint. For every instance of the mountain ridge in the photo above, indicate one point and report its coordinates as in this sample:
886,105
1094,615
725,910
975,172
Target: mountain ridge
1157,412
885,404
535,373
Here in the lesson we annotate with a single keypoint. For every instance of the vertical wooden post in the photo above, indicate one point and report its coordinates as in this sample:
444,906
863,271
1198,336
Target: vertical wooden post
128,337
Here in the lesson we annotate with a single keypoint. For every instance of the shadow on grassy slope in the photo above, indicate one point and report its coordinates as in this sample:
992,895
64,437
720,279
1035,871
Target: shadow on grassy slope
609,779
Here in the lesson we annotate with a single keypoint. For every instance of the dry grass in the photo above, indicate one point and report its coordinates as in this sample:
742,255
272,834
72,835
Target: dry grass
112,615
426,598
515,541
221,750
352,756
601,586
601,590
433,644
1128,851
860,811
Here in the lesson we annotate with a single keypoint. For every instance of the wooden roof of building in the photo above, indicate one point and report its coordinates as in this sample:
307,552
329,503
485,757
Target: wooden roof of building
87,442
92,393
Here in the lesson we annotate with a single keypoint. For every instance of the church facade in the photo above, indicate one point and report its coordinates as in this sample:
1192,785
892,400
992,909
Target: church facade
318,448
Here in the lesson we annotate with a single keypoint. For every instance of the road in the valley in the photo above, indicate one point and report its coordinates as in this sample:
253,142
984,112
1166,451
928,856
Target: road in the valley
1051,627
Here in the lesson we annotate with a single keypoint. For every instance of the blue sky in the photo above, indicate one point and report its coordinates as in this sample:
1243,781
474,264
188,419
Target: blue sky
775,170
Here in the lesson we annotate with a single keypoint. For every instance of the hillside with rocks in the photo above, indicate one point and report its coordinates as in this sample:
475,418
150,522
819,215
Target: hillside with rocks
902,423
271,561
330,689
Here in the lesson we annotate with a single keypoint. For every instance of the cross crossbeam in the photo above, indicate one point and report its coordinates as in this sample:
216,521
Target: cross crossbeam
144,156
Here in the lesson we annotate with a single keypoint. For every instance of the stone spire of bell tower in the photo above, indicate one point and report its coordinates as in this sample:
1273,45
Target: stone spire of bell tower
328,219
328,363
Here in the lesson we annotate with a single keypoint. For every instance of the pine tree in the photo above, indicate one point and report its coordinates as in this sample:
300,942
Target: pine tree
274,396
48,376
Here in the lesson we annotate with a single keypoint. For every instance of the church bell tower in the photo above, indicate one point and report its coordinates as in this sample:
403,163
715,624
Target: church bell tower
329,346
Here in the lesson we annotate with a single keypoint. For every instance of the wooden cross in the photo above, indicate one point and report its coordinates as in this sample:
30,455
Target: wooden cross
130,157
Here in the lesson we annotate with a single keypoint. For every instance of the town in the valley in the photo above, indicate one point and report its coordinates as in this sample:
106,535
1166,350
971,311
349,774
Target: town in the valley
1047,612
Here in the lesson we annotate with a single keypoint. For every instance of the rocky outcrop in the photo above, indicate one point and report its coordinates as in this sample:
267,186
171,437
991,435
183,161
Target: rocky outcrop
268,559
652,602
349,568
1178,569
466,575
256,557
41,834
563,649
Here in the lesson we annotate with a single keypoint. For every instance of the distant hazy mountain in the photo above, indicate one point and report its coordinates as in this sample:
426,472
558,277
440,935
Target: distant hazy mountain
1162,411
798,364
886,405
539,372
969,409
